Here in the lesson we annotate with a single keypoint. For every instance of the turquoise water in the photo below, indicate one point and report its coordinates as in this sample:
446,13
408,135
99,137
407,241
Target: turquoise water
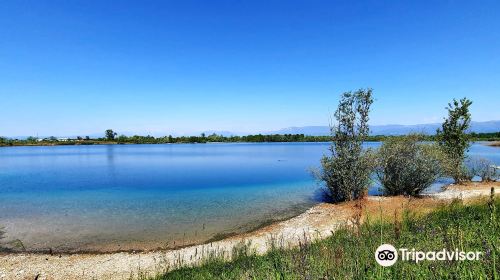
123,197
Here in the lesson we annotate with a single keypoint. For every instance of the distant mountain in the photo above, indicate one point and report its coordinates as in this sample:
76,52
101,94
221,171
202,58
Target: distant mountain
391,129
485,127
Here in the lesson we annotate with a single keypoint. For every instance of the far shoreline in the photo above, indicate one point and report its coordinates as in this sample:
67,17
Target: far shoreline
490,143
213,138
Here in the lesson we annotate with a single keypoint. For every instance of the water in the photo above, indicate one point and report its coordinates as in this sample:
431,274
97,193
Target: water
124,197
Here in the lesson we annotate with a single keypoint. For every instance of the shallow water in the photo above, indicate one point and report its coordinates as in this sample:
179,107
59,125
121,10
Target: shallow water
123,197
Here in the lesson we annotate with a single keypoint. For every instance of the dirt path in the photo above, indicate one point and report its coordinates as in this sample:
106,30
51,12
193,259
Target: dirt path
318,222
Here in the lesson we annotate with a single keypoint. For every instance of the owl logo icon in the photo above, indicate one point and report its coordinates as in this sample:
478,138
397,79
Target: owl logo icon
386,255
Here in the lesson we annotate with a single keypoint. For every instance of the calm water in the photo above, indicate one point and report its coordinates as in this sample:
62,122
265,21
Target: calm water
122,197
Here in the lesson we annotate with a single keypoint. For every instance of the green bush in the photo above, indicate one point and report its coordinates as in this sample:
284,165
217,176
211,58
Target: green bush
453,139
405,166
346,172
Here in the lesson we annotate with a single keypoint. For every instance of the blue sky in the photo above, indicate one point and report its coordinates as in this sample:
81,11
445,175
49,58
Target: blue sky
180,67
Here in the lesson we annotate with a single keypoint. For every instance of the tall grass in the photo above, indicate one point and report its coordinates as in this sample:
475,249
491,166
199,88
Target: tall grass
349,252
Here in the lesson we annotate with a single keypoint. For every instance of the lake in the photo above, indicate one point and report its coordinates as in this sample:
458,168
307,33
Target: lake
135,197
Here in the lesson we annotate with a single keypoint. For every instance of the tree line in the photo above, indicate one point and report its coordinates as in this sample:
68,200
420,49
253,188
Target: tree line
213,138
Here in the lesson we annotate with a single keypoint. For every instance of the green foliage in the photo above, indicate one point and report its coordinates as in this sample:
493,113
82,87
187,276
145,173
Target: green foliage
492,136
349,252
347,171
214,138
110,134
6,141
453,139
405,166
122,139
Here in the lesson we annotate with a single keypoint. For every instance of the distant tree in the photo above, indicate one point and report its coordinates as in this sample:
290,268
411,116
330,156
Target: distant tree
454,140
193,139
79,138
110,134
87,138
52,138
5,141
347,170
122,139
31,139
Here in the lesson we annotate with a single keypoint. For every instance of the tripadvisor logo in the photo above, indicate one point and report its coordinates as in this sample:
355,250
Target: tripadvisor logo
387,255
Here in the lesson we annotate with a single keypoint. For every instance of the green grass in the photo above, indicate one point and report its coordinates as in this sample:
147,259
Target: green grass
349,253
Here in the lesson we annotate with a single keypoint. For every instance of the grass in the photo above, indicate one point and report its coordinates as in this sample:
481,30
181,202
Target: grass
349,252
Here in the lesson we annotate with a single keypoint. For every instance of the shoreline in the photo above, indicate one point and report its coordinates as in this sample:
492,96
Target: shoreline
317,222
493,143
486,142
131,143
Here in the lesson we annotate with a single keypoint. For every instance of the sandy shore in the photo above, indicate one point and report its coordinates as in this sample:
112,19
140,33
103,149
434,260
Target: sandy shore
317,222
494,144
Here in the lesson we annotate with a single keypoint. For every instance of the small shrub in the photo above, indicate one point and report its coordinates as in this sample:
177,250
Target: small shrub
407,167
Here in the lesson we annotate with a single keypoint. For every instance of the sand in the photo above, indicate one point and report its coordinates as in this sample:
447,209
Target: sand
317,222
494,144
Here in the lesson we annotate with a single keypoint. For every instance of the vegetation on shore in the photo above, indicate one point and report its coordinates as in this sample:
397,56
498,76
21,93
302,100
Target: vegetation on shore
213,138
349,252
453,139
346,171
404,166
137,139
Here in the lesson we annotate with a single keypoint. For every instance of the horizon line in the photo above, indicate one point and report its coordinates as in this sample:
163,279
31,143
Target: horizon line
212,131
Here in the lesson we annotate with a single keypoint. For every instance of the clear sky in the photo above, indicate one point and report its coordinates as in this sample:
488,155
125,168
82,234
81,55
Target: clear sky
79,67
